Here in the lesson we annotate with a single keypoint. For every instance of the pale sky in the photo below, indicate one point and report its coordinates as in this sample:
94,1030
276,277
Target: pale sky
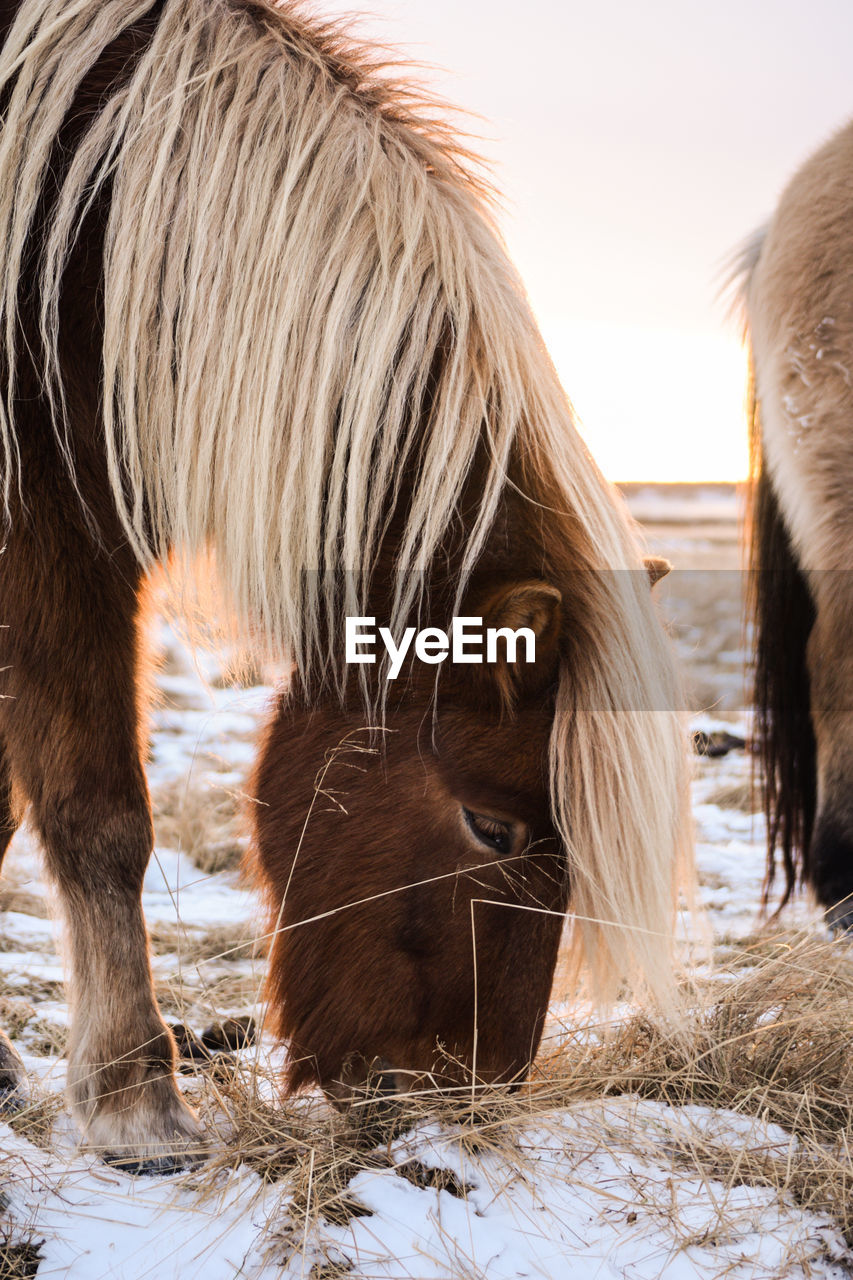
636,145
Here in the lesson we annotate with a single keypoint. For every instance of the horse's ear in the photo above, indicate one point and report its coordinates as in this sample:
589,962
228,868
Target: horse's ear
531,612
657,567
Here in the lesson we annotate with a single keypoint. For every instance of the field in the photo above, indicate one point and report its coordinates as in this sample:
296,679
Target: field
632,1154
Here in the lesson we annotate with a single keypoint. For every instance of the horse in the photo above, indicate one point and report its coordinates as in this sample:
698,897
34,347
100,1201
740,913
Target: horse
255,307
796,275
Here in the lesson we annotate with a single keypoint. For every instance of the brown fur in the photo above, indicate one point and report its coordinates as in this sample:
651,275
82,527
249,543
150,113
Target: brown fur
581,755
782,616
72,741
800,319
378,848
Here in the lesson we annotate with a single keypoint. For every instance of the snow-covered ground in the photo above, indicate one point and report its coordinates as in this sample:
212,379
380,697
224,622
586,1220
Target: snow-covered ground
602,1188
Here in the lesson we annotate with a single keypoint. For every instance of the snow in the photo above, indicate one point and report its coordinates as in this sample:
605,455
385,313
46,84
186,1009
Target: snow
592,1191
174,891
582,1204
97,1223
575,1199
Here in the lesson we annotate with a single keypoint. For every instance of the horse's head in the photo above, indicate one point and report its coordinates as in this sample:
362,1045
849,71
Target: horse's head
415,883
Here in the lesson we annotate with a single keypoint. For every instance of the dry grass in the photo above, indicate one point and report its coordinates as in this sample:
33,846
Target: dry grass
224,995
736,795
202,822
772,1042
13,898
769,1039
15,1015
19,1259
35,990
196,946
243,670
36,1121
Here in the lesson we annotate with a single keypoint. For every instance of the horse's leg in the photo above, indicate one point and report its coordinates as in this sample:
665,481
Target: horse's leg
71,725
808,447
802,336
11,1067
8,820
831,676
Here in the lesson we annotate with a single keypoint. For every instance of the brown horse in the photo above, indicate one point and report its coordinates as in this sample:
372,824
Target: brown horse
253,302
798,274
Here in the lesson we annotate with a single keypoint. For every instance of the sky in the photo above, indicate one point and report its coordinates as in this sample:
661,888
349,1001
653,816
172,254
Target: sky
636,146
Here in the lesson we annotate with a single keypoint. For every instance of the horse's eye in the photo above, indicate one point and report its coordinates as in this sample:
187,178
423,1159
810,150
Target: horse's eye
490,831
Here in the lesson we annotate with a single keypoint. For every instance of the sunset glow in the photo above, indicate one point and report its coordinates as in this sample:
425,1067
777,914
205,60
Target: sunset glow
635,148
653,404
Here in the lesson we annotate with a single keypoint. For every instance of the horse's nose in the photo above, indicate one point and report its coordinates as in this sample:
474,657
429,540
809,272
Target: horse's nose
371,1094
368,1081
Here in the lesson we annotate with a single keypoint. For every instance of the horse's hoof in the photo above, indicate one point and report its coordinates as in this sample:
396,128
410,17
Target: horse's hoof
14,1095
155,1166
718,743
371,1096
839,921
362,1081
13,1100
189,1046
215,1045
232,1034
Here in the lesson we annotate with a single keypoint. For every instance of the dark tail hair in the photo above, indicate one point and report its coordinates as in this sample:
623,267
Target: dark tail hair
782,614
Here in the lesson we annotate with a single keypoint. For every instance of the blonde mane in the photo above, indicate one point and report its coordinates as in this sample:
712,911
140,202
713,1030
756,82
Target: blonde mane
296,262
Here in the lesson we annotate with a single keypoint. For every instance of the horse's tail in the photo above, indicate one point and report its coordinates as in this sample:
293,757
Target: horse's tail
781,612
